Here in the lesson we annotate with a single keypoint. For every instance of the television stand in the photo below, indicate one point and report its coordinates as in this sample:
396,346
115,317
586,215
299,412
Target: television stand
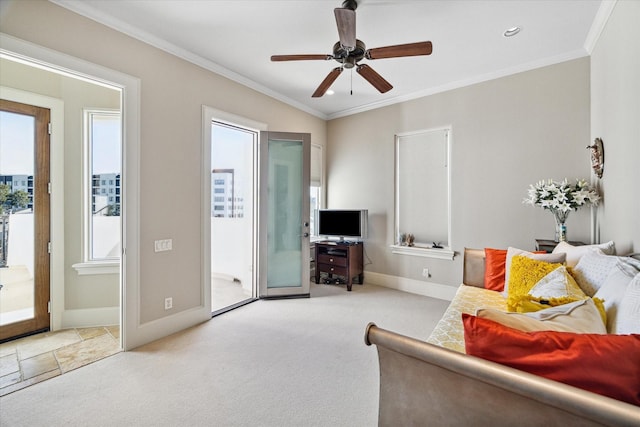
342,259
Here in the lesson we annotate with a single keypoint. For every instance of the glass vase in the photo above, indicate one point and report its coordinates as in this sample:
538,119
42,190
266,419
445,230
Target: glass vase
561,227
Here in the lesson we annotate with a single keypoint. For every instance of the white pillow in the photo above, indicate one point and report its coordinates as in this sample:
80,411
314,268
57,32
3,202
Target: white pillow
574,253
613,290
628,320
557,284
592,270
511,252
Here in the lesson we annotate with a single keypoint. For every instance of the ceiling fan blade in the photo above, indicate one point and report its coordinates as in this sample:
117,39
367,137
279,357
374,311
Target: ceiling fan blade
346,21
300,57
327,82
409,49
374,78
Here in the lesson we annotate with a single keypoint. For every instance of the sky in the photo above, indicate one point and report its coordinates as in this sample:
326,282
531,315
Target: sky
232,149
17,144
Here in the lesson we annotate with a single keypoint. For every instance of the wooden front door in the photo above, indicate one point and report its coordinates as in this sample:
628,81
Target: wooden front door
25,224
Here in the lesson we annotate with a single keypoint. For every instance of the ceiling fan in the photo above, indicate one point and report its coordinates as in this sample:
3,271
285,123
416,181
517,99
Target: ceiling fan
349,51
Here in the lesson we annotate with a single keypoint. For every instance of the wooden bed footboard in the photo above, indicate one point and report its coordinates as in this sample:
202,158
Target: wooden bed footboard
423,384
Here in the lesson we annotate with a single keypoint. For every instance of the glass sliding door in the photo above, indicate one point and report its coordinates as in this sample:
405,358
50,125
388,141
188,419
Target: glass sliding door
284,215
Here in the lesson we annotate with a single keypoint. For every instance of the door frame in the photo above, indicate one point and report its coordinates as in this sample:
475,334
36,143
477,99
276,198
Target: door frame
132,333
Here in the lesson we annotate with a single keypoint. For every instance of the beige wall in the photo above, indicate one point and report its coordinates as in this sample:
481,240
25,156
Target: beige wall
615,117
506,134
80,292
172,94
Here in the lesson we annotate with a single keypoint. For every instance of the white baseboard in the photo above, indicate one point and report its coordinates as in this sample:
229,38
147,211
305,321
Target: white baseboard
419,287
165,326
88,317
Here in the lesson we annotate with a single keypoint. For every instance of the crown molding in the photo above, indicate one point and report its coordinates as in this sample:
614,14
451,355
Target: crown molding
89,12
599,22
552,60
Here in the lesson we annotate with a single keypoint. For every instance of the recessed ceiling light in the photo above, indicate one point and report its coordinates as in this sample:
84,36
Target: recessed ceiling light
510,32
329,92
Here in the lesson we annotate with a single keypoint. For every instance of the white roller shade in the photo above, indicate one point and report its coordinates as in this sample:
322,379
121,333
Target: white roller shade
316,166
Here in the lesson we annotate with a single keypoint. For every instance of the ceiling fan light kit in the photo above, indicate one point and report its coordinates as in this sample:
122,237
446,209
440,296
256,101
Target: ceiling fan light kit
510,32
349,51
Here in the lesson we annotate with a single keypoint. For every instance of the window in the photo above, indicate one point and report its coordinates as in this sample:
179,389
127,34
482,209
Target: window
103,165
314,199
422,193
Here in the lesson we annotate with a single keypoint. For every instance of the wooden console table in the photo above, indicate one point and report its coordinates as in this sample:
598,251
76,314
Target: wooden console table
549,245
340,259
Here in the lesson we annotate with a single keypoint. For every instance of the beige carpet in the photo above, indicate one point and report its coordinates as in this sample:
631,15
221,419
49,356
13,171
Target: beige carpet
271,363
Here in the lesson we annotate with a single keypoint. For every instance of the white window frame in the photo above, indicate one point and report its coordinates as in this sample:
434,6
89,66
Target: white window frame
424,249
89,265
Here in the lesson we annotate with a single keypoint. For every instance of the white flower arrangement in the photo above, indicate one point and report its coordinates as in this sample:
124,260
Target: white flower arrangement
561,197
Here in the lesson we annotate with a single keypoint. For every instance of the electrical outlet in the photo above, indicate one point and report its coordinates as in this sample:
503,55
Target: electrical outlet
168,303
163,245
425,273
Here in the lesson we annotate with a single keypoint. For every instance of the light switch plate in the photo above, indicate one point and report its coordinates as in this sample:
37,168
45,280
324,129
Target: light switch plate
163,245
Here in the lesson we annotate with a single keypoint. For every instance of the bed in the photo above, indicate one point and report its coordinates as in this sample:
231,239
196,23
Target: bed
434,383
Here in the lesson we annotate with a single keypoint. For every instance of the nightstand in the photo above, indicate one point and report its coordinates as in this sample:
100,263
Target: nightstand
549,245
341,259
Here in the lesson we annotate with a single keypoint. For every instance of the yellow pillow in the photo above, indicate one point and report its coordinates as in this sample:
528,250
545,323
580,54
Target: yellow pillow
601,308
524,274
527,303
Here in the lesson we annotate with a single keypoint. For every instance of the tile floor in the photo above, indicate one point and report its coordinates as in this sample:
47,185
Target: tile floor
29,360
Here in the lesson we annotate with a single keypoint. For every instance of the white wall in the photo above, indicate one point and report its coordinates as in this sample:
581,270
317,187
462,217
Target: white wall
615,117
172,94
506,134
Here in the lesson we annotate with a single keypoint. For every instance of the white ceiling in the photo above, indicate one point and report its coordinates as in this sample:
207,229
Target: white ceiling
236,38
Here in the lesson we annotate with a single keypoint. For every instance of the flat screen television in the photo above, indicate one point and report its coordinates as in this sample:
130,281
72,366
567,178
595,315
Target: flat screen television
343,224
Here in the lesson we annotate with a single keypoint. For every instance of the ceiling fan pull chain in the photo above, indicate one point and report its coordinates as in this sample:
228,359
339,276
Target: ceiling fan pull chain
351,81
